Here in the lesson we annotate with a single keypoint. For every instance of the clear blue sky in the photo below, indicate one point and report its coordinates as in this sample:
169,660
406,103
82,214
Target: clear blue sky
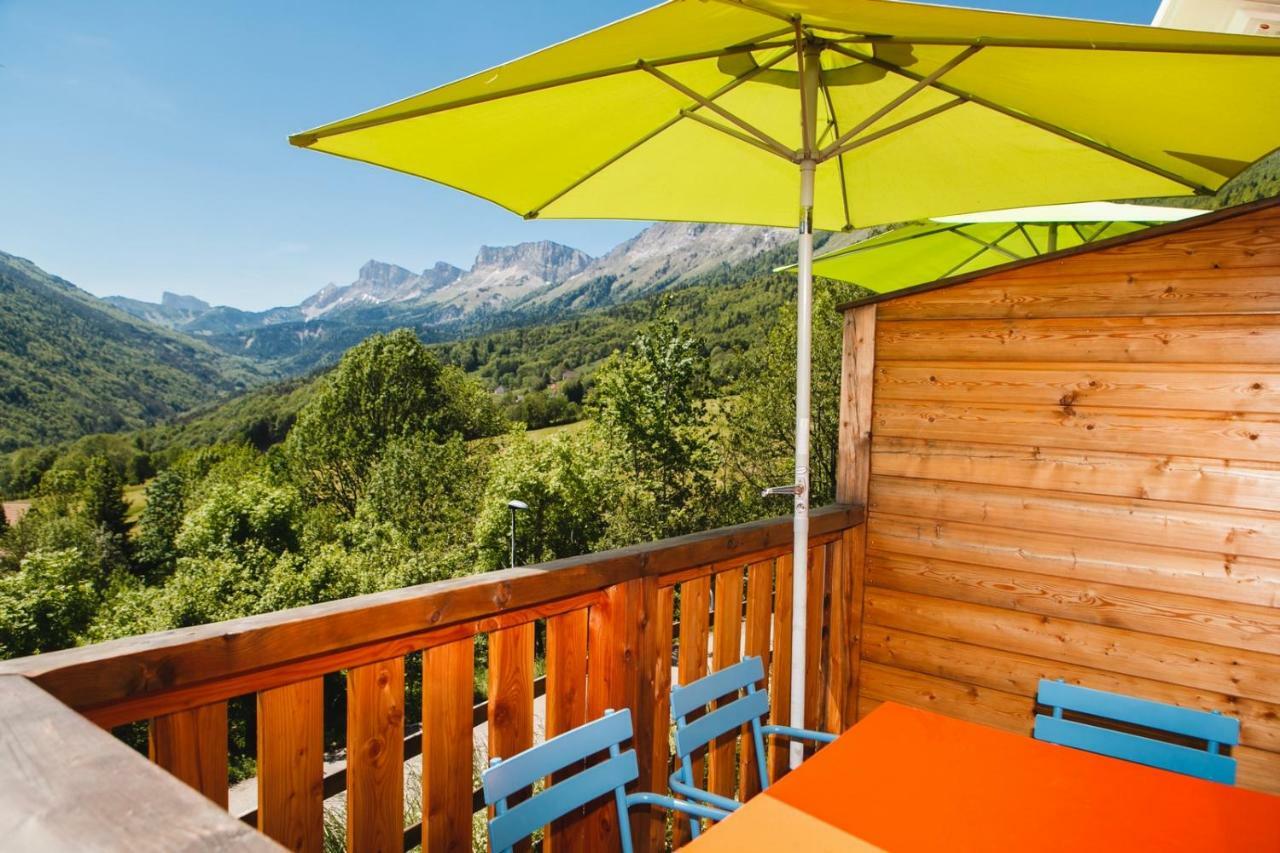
142,144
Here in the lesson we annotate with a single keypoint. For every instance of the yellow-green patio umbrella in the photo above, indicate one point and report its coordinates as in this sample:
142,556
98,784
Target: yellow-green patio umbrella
923,252
838,113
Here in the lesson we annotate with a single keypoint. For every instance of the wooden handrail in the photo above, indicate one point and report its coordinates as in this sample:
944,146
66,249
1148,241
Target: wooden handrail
128,679
68,785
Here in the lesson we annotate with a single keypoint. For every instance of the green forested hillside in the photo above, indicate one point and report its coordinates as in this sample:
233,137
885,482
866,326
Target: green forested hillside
71,365
541,371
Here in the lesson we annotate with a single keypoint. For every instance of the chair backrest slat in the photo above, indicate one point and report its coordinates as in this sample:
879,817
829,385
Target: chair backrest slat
1141,750
520,771
520,820
730,717
1214,729
1141,712
706,690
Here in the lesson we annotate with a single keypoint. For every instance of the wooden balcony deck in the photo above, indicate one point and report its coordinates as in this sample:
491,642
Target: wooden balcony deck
609,621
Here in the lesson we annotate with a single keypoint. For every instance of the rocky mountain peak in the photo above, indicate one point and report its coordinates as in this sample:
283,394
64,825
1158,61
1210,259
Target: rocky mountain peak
382,276
437,276
543,259
179,302
658,257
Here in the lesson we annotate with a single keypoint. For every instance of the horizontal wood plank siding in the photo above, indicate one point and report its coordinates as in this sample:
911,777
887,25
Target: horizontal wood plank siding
1075,473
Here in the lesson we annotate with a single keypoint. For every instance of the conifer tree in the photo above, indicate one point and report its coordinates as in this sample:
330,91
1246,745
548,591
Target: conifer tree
103,496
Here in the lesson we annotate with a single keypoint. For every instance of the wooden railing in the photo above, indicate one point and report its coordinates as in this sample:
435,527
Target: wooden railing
610,643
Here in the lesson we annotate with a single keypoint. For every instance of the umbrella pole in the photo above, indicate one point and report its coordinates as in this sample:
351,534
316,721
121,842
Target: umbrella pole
810,70
800,521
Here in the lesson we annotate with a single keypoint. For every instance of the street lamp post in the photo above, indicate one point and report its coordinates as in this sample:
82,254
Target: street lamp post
514,506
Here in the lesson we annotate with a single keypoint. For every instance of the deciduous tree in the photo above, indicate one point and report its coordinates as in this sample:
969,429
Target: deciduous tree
384,390
648,402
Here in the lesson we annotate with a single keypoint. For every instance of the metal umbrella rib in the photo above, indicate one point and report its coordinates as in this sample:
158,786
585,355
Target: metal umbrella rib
919,86
1040,124
689,112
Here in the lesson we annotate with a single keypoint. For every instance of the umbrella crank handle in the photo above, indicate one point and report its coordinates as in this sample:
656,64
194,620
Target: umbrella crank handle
792,490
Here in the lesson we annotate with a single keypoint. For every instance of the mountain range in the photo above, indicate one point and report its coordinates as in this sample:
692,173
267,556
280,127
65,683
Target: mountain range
504,285
72,363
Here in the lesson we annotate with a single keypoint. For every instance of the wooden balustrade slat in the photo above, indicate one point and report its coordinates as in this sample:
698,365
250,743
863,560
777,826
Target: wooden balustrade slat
815,665
566,709
837,659
780,669
855,550
655,660
192,745
448,676
511,696
291,765
695,632
726,650
756,644
247,655
613,638
375,757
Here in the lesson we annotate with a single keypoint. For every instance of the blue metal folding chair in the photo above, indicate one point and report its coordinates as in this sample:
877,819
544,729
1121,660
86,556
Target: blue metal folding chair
505,777
1211,727
745,705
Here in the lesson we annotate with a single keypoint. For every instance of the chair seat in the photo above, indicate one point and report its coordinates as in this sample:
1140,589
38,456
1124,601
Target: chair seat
505,778
727,700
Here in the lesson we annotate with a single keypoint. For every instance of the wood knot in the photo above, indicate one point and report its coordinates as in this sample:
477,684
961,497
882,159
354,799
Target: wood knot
163,675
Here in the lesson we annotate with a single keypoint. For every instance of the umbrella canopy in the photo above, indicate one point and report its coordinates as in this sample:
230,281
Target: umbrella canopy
689,111
927,251
863,111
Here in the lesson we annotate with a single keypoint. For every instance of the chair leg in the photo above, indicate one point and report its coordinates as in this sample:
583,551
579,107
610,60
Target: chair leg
686,768
624,820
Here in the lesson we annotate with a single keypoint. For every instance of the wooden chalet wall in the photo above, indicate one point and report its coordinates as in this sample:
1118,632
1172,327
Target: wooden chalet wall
1075,473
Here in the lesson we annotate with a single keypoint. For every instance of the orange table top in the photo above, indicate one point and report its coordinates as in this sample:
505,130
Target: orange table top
904,780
